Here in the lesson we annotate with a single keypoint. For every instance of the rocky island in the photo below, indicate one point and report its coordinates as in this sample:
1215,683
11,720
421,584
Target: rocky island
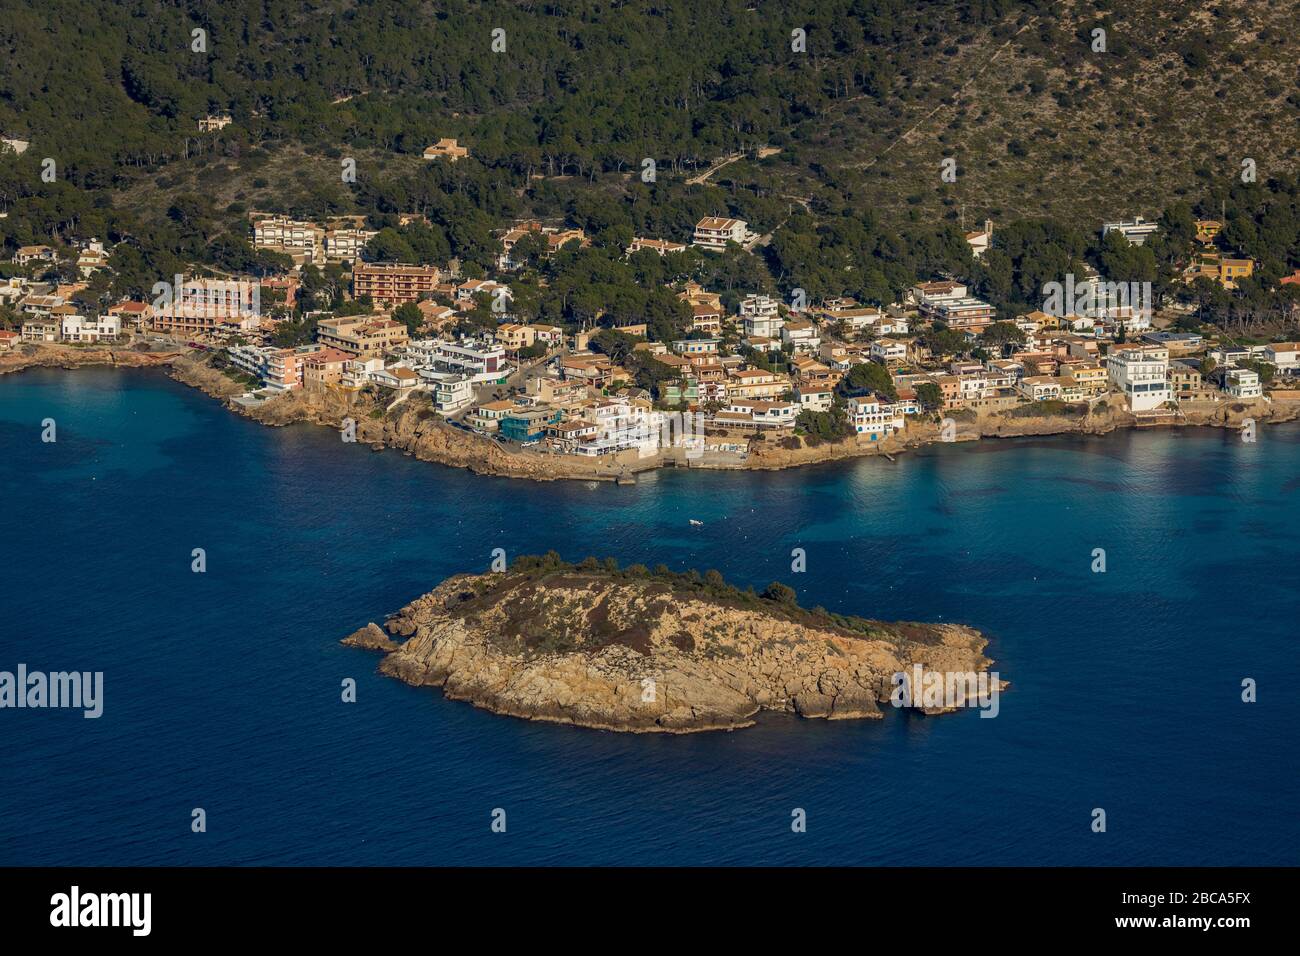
652,651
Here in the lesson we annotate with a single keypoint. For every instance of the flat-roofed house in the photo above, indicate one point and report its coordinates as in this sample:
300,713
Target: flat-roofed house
875,418
42,328
394,282
447,149
660,246
1141,372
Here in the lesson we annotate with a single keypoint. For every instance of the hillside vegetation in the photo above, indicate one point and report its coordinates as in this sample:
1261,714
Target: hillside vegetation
835,136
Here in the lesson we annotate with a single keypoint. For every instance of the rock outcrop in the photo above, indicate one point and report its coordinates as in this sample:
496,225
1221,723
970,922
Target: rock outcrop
647,653
51,355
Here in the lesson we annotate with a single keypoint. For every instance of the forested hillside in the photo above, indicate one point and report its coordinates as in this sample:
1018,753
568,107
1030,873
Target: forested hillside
839,133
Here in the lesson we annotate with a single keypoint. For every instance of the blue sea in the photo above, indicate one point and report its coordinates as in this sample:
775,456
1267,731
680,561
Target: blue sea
222,690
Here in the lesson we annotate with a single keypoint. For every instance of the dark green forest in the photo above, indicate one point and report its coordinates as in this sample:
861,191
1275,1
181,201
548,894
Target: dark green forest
558,123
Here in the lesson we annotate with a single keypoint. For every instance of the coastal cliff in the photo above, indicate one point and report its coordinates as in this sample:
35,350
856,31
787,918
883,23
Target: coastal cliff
414,428
649,652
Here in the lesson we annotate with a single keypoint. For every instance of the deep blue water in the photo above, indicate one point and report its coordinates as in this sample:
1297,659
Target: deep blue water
222,690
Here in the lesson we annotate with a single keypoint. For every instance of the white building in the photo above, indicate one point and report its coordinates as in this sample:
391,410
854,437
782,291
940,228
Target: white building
90,328
1284,355
885,351
875,418
1039,388
92,257
660,246
249,359
1229,354
980,240
759,316
714,232
358,372
1135,231
752,411
482,361
1141,373
397,377
279,234
930,294
816,398
801,335
452,391
1242,383
12,289
347,244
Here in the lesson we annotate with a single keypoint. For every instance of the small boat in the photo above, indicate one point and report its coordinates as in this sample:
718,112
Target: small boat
696,523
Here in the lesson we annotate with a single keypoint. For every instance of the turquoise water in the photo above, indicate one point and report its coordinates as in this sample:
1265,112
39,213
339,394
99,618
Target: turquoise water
222,689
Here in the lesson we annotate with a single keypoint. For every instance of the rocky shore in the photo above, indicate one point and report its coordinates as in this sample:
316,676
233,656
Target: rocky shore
414,428
651,652
70,357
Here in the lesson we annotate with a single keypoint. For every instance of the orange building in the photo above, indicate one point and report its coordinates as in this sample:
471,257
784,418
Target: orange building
394,282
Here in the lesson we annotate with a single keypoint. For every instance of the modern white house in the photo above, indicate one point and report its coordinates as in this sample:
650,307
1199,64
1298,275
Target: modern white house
358,372
759,316
91,328
346,243
1136,231
281,234
1242,383
452,391
885,351
1141,372
482,361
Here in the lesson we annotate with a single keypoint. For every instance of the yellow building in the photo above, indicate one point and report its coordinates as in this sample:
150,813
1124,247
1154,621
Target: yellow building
1227,272
1207,229
363,337
514,336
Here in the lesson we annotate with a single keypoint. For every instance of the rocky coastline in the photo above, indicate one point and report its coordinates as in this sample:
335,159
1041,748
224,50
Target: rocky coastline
652,652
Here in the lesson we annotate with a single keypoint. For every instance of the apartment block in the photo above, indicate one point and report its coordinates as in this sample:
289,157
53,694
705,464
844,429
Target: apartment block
361,336
394,282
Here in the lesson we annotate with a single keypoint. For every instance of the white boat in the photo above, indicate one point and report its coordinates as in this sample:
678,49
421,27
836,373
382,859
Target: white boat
696,523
